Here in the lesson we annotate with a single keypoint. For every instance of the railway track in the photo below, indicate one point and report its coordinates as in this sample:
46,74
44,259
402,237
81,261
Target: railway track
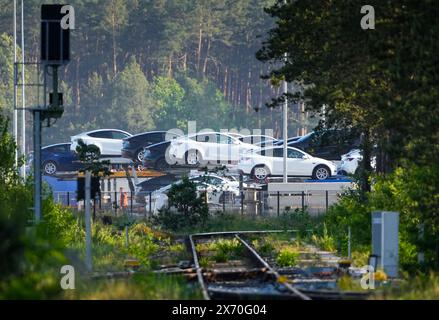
249,275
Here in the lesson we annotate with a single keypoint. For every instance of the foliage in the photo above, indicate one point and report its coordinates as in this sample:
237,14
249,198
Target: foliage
142,286
411,191
226,249
420,287
264,248
287,257
185,207
325,241
221,221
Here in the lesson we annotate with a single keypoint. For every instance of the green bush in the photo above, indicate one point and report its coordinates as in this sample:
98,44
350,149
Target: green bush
186,208
287,257
414,193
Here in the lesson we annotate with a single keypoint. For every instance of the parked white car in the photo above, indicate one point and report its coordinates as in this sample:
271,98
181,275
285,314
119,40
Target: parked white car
350,162
269,162
211,147
214,185
109,141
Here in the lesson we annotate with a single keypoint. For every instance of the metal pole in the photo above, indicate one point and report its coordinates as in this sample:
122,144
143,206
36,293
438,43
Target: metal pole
278,203
150,203
37,165
285,124
15,83
23,95
303,200
88,259
224,201
349,242
327,200
131,203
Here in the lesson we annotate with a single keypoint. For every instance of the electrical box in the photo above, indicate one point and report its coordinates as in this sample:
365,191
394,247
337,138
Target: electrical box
55,41
385,241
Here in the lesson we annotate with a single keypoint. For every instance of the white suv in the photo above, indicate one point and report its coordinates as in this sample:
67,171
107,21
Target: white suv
109,141
269,161
209,147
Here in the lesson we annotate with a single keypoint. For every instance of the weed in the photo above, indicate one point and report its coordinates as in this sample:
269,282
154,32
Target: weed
287,257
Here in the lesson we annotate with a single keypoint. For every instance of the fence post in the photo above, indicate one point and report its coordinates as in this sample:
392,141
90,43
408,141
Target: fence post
242,202
278,203
349,242
327,200
224,201
131,203
303,200
150,204
68,199
94,208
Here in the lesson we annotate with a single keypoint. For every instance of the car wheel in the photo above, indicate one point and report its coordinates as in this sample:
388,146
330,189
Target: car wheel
50,168
343,173
321,172
193,158
140,155
260,173
161,164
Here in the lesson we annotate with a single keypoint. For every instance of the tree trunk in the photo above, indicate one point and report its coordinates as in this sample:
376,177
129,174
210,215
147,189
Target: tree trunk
78,86
206,59
200,39
170,66
113,20
365,168
225,91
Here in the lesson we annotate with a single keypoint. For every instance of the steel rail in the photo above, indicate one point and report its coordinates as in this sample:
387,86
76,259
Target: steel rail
198,269
208,234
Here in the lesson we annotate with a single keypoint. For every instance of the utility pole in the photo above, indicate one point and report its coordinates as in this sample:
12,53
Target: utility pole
285,123
15,83
88,257
23,96
285,129
55,52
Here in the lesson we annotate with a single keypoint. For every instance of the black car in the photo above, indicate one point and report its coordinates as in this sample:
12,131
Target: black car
157,156
328,144
132,147
289,140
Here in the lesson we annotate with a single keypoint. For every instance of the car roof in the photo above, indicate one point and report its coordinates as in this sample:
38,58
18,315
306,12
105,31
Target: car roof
209,132
152,132
100,130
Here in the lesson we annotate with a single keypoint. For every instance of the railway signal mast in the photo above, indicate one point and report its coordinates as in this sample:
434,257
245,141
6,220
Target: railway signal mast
55,52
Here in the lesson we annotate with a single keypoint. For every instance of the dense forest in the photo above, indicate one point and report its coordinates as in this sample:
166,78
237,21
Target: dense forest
141,65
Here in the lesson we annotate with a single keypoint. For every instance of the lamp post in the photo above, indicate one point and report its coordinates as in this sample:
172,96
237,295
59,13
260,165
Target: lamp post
15,82
285,129
23,95
285,123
